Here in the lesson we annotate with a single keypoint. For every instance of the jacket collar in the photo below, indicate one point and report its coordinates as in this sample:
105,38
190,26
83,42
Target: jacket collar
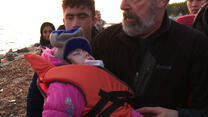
164,28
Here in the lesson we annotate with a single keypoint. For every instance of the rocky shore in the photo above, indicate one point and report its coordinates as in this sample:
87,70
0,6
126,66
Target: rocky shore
15,78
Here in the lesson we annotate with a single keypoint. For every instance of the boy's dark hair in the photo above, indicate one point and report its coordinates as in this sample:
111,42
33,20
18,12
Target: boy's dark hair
90,4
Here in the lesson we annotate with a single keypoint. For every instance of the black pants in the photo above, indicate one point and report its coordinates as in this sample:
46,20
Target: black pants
35,100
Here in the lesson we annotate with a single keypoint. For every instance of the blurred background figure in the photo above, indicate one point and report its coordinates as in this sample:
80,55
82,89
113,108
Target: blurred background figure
193,7
186,19
201,20
99,21
61,27
45,31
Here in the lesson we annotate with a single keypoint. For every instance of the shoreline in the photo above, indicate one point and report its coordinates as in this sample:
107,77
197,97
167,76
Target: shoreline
14,55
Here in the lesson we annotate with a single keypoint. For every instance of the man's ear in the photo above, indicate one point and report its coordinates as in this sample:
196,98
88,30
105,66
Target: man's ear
63,21
162,3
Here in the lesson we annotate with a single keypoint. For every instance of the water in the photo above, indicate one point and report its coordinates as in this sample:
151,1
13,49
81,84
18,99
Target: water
17,36
20,26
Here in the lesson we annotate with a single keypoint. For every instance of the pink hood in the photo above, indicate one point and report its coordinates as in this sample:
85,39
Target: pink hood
48,54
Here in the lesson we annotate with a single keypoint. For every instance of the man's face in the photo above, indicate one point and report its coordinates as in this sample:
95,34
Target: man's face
195,5
78,56
79,17
138,16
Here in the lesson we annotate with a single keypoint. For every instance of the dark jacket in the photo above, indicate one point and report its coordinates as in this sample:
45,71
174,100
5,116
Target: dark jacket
174,65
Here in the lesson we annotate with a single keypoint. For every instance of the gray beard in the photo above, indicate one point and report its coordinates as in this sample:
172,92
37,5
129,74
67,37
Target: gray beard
139,27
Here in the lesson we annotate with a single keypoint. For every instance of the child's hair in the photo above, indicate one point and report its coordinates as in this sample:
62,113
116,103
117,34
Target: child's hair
76,43
90,4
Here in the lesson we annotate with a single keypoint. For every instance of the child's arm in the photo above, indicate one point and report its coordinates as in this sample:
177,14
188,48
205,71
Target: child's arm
136,114
63,99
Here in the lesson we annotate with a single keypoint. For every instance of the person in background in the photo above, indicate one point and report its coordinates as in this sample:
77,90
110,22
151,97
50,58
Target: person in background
201,20
76,13
186,19
34,98
61,27
162,60
99,21
82,98
193,7
45,30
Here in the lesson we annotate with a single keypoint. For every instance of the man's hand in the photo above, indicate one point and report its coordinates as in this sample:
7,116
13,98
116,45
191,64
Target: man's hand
157,112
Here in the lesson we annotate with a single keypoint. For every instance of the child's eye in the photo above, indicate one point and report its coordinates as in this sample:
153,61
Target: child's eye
76,53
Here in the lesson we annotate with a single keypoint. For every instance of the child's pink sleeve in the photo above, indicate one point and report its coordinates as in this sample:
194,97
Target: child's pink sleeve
136,114
63,100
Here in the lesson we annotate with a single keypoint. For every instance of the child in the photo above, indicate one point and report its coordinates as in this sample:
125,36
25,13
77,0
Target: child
45,30
80,89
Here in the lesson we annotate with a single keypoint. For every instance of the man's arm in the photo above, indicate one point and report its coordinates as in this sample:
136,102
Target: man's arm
164,112
34,99
157,112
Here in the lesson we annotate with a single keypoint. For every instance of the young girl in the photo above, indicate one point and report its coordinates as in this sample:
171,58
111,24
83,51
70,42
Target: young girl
45,31
80,89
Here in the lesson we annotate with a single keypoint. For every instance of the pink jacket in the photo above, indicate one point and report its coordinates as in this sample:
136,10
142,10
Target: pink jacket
63,99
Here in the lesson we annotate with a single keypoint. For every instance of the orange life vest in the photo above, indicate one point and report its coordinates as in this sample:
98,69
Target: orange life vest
104,94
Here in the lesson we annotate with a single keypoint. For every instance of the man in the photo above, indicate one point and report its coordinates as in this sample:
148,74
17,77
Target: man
163,61
77,13
193,7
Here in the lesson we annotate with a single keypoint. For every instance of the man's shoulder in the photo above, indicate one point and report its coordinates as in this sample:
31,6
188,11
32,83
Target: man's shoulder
114,28
184,31
186,35
108,33
111,31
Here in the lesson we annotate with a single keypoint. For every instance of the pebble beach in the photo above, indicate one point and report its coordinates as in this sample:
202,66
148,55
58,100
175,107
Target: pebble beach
15,78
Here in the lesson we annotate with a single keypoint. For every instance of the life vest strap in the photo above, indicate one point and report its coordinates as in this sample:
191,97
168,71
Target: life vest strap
42,88
118,98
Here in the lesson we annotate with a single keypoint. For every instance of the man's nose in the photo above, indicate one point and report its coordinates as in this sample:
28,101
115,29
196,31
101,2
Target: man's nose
76,22
124,5
194,3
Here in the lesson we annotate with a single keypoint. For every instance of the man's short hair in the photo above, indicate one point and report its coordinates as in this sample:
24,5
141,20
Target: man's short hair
90,4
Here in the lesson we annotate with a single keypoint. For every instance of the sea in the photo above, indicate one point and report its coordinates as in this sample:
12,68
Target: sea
17,36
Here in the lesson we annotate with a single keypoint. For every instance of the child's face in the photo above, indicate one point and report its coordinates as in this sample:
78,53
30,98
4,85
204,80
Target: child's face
78,56
46,32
